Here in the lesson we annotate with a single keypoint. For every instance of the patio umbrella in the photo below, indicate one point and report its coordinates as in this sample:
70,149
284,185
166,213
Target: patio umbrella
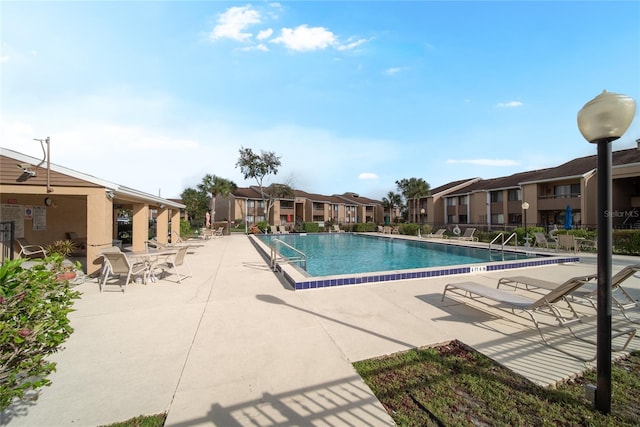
568,218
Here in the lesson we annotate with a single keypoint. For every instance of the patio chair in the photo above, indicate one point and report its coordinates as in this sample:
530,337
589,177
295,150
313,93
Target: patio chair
437,235
535,283
550,303
468,235
27,250
337,228
567,242
79,242
117,265
219,232
274,229
173,261
542,241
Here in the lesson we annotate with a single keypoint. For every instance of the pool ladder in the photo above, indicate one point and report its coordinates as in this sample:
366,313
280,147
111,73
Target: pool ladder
501,236
300,257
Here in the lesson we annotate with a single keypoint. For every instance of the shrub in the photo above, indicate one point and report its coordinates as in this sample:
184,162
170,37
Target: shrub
626,242
410,229
310,227
362,227
61,247
33,324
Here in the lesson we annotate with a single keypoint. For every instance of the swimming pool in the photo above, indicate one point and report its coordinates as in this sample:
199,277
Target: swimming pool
335,259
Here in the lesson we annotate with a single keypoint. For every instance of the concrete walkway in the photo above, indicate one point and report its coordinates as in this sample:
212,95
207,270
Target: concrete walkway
233,346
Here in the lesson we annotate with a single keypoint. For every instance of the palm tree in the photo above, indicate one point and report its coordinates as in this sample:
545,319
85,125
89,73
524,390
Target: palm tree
392,201
214,185
413,189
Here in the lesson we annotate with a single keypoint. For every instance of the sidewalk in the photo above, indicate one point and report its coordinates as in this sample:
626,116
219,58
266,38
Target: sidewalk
233,346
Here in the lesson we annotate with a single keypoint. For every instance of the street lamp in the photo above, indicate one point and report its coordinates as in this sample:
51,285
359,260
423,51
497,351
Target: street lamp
525,206
421,222
602,120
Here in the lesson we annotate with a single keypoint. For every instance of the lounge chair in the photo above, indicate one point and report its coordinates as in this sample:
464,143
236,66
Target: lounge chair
282,229
542,241
535,283
79,242
468,235
274,229
27,250
437,235
173,261
219,232
337,228
621,299
117,265
549,303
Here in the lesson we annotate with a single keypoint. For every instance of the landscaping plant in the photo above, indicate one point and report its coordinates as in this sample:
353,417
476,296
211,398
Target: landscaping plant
33,325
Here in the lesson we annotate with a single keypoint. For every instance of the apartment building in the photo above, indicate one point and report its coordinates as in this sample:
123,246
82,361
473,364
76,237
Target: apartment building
247,204
547,193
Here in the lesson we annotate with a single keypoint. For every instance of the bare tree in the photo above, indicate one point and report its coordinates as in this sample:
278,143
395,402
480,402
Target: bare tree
258,167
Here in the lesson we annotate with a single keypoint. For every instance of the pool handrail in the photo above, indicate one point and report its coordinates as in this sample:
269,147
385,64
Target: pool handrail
501,235
301,259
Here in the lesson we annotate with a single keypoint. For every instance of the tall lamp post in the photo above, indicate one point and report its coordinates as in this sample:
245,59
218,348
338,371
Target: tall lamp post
525,206
421,222
602,120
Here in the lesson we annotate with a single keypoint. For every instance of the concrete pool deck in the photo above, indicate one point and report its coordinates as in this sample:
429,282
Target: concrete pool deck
234,346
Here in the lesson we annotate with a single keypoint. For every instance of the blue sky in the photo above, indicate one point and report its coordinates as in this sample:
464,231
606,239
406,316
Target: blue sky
352,95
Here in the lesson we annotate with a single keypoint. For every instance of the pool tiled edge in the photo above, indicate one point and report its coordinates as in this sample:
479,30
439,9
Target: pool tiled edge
299,282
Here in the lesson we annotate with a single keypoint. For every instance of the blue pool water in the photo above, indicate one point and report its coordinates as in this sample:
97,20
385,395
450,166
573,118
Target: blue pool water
345,253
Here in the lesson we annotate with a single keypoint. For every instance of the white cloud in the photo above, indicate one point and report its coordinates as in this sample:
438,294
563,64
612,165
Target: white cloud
264,34
233,22
393,70
510,104
352,44
261,47
486,162
304,38
367,176
4,58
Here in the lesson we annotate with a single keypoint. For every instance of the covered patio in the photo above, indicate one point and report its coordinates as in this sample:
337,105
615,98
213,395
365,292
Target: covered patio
46,204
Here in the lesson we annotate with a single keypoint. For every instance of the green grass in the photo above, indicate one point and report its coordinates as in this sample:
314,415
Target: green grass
453,385
142,421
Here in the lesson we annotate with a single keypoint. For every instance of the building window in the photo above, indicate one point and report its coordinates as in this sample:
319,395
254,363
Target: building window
514,195
250,219
463,200
251,203
497,218
261,204
569,190
496,197
515,218
451,219
464,219
451,201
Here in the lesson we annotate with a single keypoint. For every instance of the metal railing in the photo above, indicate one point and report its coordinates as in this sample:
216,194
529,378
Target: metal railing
7,237
504,242
300,258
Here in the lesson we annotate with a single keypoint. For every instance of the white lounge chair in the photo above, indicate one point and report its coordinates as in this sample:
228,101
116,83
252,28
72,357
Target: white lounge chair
437,235
27,250
337,228
468,235
282,229
549,303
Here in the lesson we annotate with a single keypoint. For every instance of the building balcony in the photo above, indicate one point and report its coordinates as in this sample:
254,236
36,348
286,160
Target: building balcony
556,203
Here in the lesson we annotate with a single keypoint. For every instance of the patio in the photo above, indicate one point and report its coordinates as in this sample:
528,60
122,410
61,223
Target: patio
233,346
